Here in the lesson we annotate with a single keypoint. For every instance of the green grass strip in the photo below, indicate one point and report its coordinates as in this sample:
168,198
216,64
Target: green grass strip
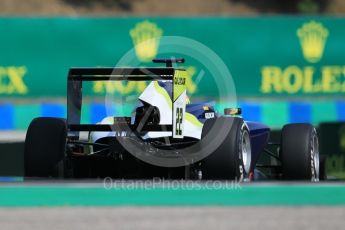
36,196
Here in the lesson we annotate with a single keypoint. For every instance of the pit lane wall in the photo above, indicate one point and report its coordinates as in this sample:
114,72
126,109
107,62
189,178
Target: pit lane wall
285,69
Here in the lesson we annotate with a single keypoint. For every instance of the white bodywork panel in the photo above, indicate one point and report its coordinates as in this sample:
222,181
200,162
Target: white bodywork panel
156,95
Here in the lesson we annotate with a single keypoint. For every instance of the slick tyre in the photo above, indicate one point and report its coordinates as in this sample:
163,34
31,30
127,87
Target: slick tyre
232,158
45,145
300,152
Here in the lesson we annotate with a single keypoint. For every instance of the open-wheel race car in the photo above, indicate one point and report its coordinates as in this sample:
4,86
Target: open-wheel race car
165,136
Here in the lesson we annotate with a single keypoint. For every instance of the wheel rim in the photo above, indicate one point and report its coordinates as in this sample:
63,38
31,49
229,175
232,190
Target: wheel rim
246,151
315,158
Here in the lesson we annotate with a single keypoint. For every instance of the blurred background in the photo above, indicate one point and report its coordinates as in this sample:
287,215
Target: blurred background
168,8
287,60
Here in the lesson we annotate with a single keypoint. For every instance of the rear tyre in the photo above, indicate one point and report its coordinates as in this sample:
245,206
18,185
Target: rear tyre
232,158
45,145
300,152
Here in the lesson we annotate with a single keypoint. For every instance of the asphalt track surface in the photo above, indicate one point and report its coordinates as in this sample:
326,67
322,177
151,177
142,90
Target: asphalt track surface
55,204
174,218
12,136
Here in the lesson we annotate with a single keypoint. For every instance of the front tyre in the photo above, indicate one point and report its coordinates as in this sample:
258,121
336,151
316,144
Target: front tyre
300,152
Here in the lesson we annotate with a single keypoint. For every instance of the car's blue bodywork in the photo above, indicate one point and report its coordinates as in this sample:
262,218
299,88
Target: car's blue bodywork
259,134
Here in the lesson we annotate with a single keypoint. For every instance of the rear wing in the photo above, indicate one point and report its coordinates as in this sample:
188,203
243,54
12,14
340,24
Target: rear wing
77,76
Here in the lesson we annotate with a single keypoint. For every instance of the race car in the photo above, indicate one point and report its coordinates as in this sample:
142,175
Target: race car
165,136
